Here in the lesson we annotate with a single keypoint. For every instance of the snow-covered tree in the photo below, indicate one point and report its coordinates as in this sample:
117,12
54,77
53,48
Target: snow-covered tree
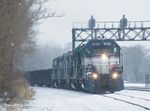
136,62
41,57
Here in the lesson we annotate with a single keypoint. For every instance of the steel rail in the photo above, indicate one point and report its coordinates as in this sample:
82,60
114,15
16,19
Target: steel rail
132,96
135,104
137,89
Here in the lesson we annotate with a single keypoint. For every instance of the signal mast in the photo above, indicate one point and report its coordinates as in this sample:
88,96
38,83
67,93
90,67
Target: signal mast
122,30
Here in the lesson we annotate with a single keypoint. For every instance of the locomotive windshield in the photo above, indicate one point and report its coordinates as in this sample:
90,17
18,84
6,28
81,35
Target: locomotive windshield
102,64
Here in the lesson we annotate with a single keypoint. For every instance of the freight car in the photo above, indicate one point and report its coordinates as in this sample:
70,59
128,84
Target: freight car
96,66
39,77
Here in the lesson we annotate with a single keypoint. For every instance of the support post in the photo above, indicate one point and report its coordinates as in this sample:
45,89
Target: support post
147,80
73,39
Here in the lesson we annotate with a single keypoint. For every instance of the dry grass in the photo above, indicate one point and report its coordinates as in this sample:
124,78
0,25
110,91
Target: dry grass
16,89
23,91
12,108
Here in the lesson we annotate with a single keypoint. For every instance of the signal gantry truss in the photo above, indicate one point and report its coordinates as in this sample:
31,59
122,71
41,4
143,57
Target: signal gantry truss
135,31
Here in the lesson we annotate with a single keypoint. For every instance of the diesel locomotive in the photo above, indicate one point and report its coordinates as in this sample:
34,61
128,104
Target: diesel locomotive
94,67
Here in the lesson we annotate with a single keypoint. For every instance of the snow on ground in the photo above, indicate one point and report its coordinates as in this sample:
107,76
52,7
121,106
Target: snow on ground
14,107
49,99
136,94
135,86
134,99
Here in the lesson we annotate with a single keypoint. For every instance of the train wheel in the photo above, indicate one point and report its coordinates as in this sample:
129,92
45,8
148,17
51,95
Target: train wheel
72,85
83,86
63,84
55,84
112,91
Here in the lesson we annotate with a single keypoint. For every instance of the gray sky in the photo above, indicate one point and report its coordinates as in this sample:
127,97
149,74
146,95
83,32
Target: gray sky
58,30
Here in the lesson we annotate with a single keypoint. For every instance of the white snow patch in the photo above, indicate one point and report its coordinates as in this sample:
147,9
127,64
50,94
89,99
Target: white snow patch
134,85
49,99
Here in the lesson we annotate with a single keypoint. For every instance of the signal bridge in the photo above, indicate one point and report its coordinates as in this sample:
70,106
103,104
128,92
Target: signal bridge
134,31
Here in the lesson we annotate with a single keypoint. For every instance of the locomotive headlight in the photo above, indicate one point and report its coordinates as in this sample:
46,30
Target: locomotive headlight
104,57
115,75
94,76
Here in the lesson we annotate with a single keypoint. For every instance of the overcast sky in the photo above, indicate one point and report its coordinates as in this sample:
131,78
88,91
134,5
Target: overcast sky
58,30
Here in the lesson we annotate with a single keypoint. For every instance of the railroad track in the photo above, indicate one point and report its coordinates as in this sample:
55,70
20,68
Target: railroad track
137,89
125,101
133,96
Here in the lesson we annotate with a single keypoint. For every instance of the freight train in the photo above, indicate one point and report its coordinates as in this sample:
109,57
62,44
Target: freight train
94,67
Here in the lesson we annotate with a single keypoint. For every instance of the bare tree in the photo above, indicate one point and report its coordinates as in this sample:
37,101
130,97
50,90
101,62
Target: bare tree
136,62
17,19
41,57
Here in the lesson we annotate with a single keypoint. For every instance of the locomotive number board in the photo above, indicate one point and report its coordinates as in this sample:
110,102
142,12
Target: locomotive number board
101,44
